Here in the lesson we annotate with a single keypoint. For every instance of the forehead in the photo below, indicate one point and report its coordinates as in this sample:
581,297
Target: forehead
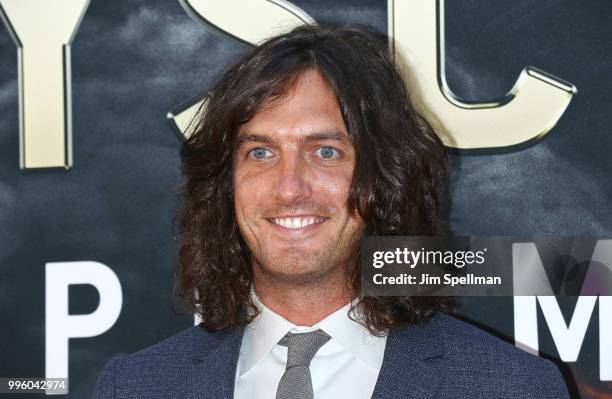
308,106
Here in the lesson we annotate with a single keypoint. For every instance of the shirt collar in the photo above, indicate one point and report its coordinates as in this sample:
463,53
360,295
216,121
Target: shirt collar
264,332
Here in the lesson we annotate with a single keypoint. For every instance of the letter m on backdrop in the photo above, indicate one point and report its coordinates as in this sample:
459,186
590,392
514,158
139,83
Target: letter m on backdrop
568,339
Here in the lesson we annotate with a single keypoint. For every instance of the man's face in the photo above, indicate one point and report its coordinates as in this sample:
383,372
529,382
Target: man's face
293,167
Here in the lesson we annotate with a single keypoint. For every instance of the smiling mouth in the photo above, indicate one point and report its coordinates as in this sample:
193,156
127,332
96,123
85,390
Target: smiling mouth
297,222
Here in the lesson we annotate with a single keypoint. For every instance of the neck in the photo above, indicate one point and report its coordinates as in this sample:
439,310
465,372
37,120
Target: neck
304,304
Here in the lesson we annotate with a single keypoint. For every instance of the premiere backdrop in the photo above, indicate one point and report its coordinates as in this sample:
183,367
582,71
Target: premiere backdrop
95,237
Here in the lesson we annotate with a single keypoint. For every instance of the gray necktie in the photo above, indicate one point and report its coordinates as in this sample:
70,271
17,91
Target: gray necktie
296,383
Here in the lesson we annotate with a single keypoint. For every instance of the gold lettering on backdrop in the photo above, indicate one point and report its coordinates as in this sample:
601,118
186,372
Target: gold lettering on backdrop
249,21
42,32
416,33
531,108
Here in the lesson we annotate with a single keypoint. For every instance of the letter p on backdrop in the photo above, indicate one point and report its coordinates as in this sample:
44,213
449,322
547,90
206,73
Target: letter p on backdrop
60,325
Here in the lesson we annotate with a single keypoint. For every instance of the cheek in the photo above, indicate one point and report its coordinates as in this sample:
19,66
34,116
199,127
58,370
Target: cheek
250,192
332,187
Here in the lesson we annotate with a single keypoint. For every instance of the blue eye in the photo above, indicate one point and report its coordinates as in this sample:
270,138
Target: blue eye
327,152
260,153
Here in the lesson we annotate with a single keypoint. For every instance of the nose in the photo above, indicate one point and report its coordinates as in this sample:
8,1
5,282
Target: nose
292,180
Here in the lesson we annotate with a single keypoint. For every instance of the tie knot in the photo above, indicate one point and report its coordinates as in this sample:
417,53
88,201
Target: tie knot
301,347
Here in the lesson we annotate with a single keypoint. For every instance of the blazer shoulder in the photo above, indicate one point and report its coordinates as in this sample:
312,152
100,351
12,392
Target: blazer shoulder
493,363
158,367
178,347
464,340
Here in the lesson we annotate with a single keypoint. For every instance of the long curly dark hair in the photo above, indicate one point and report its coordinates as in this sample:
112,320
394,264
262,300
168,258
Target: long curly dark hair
397,186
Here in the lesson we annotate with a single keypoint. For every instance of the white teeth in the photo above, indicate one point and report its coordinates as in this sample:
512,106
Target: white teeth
296,223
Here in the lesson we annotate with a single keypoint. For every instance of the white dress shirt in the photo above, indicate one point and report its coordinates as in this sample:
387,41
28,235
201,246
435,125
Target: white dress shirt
347,366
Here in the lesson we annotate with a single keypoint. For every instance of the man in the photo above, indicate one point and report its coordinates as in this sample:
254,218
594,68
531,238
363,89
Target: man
305,145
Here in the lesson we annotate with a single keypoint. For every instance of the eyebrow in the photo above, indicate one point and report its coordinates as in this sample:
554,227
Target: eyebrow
259,138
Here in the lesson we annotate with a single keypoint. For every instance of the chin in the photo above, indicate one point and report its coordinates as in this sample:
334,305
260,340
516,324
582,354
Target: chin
297,269
301,277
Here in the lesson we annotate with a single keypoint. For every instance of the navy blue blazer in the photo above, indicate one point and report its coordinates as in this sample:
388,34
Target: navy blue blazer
441,358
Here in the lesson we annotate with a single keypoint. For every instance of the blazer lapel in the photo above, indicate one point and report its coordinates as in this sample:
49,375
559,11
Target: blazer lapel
213,373
412,364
